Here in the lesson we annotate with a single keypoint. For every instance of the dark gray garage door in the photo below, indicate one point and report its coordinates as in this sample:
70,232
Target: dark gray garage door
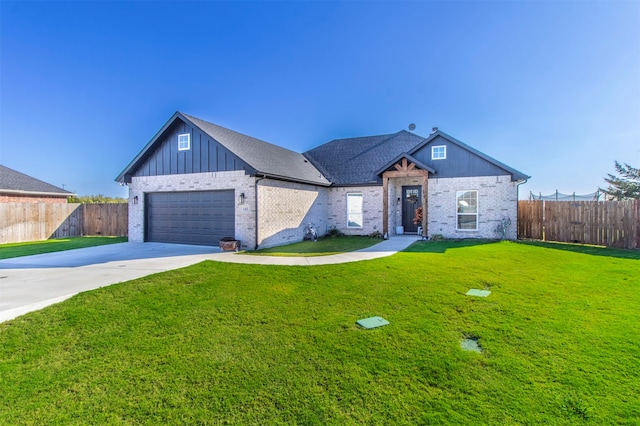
200,218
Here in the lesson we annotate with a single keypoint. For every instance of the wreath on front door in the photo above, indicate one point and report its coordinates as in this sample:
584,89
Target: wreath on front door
417,219
413,198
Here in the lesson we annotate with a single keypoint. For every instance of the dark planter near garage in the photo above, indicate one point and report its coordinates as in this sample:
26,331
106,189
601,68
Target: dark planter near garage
229,244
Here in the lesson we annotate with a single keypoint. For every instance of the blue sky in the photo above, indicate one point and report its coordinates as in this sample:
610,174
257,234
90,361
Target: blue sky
549,88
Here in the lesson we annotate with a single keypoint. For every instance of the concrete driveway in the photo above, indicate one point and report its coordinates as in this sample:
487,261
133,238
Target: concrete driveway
32,282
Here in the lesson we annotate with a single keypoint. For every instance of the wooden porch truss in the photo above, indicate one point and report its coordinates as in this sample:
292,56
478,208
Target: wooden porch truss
403,169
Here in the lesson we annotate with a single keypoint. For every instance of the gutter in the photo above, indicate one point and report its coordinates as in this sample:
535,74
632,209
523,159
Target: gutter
325,183
44,194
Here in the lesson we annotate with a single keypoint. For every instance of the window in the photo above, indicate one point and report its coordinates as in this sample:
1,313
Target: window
467,202
354,211
184,142
439,152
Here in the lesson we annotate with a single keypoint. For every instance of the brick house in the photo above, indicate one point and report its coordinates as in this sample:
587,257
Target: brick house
16,187
196,182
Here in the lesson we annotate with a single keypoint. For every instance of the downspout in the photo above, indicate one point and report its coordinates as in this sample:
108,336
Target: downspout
256,209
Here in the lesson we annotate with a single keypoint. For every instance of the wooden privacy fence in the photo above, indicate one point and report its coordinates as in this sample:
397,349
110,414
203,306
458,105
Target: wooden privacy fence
606,223
106,219
20,222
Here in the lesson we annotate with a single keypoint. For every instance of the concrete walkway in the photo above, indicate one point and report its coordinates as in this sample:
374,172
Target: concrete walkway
382,249
31,283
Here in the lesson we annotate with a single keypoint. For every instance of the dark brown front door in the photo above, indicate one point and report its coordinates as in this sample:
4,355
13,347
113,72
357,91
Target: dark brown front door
411,200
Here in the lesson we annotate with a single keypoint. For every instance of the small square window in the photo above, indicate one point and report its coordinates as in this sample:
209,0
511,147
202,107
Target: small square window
184,142
439,152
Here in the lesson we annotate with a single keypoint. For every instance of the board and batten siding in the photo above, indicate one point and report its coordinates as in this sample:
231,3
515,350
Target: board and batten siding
205,155
458,163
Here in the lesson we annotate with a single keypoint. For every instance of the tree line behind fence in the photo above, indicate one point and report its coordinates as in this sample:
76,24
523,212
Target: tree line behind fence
22,222
605,223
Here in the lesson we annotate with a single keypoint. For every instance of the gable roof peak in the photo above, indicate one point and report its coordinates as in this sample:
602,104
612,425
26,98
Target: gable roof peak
263,157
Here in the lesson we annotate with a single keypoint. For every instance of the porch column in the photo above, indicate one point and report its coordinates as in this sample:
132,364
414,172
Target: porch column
425,203
385,204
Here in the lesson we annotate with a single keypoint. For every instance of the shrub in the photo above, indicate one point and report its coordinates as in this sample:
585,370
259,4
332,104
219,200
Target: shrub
334,232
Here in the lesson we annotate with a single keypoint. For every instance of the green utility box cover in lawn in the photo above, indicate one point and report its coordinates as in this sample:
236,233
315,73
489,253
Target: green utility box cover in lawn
479,293
372,322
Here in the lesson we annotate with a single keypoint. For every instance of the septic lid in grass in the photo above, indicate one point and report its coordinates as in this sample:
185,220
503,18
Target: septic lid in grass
479,293
372,322
471,344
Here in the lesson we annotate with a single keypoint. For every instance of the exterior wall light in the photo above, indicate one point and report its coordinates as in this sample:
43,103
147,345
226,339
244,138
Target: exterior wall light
241,198
135,200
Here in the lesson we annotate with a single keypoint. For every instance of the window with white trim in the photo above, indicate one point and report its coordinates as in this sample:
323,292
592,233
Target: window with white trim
184,142
439,152
354,210
467,210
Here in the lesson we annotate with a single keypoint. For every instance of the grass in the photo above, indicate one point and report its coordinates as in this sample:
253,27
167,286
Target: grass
60,244
220,343
323,247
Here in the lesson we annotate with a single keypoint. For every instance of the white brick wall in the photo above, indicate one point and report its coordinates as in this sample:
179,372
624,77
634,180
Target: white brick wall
372,209
286,208
497,199
236,180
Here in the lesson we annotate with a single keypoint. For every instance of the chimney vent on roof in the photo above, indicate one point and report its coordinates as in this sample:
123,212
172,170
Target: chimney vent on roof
433,130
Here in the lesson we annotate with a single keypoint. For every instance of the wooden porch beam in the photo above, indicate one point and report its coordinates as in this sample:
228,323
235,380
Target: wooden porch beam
409,173
425,204
385,204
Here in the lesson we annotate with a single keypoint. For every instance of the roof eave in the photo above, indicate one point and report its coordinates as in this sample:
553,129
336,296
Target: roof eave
138,158
516,175
290,179
36,193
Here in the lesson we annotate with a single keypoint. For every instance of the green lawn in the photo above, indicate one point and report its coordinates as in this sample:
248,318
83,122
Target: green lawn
60,244
323,247
223,343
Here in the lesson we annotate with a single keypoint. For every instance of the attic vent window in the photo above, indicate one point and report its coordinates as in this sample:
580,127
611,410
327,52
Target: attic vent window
439,152
184,142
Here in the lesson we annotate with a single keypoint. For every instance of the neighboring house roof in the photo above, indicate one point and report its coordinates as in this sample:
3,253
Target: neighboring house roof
266,158
14,182
356,161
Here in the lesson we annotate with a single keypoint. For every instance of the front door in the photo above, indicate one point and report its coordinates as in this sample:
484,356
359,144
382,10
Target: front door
411,200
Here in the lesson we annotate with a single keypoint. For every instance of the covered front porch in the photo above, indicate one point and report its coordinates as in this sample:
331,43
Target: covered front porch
405,183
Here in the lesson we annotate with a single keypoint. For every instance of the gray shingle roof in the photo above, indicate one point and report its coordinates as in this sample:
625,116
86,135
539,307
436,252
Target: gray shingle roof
264,157
356,160
15,182
341,162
